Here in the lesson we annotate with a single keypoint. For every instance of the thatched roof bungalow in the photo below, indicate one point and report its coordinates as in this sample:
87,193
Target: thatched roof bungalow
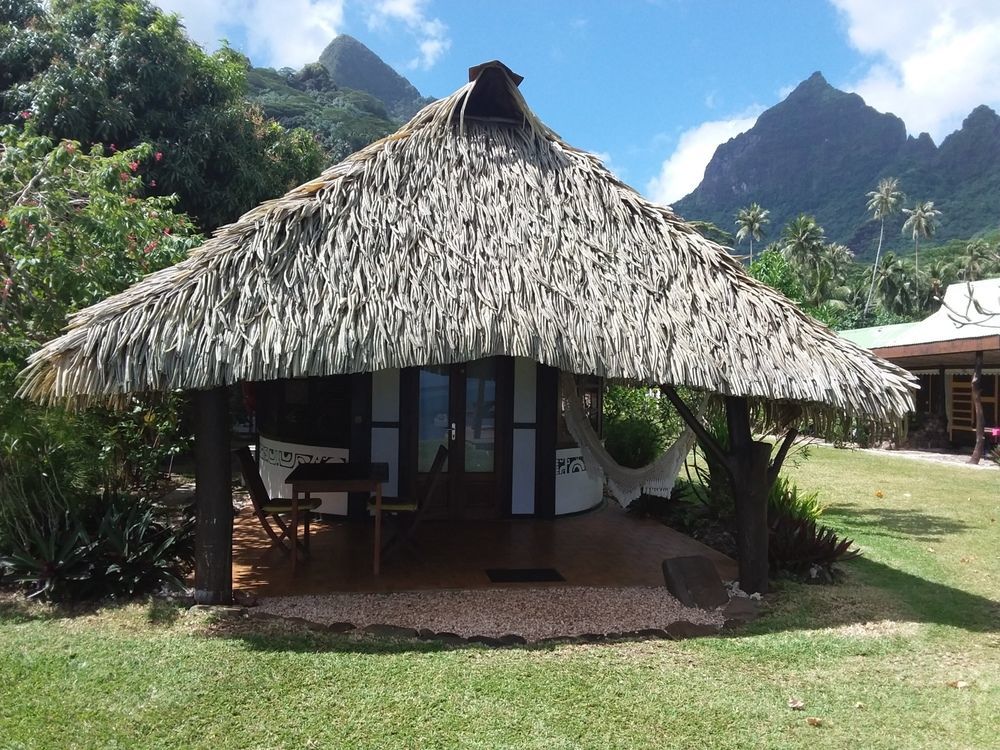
464,260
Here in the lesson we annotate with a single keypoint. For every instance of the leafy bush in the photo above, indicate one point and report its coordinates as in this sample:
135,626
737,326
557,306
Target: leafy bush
137,551
633,441
786,499
800,546
64,548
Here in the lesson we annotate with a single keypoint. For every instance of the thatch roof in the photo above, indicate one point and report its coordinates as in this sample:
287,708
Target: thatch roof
472,231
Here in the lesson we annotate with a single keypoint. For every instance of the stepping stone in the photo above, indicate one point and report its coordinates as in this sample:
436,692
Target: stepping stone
694,581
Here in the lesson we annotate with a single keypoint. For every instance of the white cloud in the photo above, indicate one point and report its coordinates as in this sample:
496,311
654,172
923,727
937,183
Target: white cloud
278,33
685,167
932,61
431,33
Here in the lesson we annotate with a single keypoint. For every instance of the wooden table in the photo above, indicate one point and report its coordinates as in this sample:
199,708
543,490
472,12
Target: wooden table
307,479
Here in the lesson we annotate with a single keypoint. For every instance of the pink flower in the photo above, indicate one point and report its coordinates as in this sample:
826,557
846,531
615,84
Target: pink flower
152,183
114,148
3,223
158,156
150,247
995,432
70,147
123,176
26,114
133,165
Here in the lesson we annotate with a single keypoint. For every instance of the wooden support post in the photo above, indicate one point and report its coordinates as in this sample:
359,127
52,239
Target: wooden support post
750,461
977,405
213,553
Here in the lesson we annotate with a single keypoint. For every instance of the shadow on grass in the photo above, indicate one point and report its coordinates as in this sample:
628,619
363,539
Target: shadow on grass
874,592
899,523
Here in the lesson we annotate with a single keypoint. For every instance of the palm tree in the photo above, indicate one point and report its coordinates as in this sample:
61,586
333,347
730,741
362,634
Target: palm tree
751,222
802,244
921,221
883,201
895,285
975,262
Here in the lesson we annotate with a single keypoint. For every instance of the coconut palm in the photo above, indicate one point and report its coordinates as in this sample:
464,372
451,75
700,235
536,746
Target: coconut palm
802,244
883,201
976,262
751,222
921,221
895,285
939,275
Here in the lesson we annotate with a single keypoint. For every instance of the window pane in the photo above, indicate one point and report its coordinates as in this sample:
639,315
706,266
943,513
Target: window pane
433,419
480,415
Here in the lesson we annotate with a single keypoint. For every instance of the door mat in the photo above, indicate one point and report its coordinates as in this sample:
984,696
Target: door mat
523,575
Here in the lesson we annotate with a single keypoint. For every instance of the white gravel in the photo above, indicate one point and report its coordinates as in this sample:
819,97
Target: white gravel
532,613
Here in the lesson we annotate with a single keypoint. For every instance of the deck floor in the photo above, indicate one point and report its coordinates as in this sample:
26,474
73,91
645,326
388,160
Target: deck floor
605,547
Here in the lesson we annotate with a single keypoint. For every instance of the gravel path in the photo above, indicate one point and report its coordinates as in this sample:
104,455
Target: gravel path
953,459
532,613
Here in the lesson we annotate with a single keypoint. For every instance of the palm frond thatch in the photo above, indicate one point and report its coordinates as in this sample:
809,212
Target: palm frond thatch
473,231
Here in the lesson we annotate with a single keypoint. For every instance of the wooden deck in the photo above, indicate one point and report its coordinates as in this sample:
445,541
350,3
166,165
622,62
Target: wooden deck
605,547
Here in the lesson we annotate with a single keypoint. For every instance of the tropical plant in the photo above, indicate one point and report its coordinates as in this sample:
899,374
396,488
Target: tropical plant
751,222
883,202
921,221
978,261
123,73
773,268
139,552
896,288
802,547
786,499
802,243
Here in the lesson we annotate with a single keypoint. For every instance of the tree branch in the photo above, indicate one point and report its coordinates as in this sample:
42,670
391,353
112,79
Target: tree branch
708,441
775,468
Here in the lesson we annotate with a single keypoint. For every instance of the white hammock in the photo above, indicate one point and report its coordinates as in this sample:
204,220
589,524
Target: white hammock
624,483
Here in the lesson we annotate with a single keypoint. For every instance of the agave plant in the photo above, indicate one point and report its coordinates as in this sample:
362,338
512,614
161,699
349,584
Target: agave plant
139,553
56,566
798,544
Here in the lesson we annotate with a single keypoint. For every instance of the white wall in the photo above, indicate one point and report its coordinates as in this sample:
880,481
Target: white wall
576,490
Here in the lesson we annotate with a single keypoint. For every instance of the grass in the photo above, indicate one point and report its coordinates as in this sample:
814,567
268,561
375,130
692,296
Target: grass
871,658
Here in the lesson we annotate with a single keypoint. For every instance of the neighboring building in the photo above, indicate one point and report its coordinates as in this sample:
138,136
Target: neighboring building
941,351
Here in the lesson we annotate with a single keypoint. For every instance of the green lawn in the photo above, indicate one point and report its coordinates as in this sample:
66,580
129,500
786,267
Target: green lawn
871,658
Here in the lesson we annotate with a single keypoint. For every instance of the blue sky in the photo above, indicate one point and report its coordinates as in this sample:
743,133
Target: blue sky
653,86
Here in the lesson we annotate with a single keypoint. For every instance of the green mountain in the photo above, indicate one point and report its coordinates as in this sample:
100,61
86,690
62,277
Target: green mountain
348,99
821,150
352,65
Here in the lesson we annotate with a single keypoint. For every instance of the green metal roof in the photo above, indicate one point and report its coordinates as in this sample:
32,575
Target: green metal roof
876,337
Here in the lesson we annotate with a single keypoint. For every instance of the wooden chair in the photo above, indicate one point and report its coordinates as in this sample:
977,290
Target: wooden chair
268,509
408,513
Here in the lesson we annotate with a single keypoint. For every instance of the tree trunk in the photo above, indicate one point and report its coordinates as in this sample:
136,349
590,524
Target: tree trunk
977,405
878,252
750,487
213,568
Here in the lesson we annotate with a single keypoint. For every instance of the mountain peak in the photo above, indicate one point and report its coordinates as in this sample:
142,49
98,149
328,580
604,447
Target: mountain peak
353,65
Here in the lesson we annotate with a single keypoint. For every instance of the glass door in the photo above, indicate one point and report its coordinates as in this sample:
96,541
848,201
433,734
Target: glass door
456,406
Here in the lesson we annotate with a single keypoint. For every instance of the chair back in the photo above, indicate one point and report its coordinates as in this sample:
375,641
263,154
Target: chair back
433,476
251,478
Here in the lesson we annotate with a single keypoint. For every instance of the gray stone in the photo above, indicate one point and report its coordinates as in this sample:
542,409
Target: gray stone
694,581
513,639
684,629
740,611
485,640
390,631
